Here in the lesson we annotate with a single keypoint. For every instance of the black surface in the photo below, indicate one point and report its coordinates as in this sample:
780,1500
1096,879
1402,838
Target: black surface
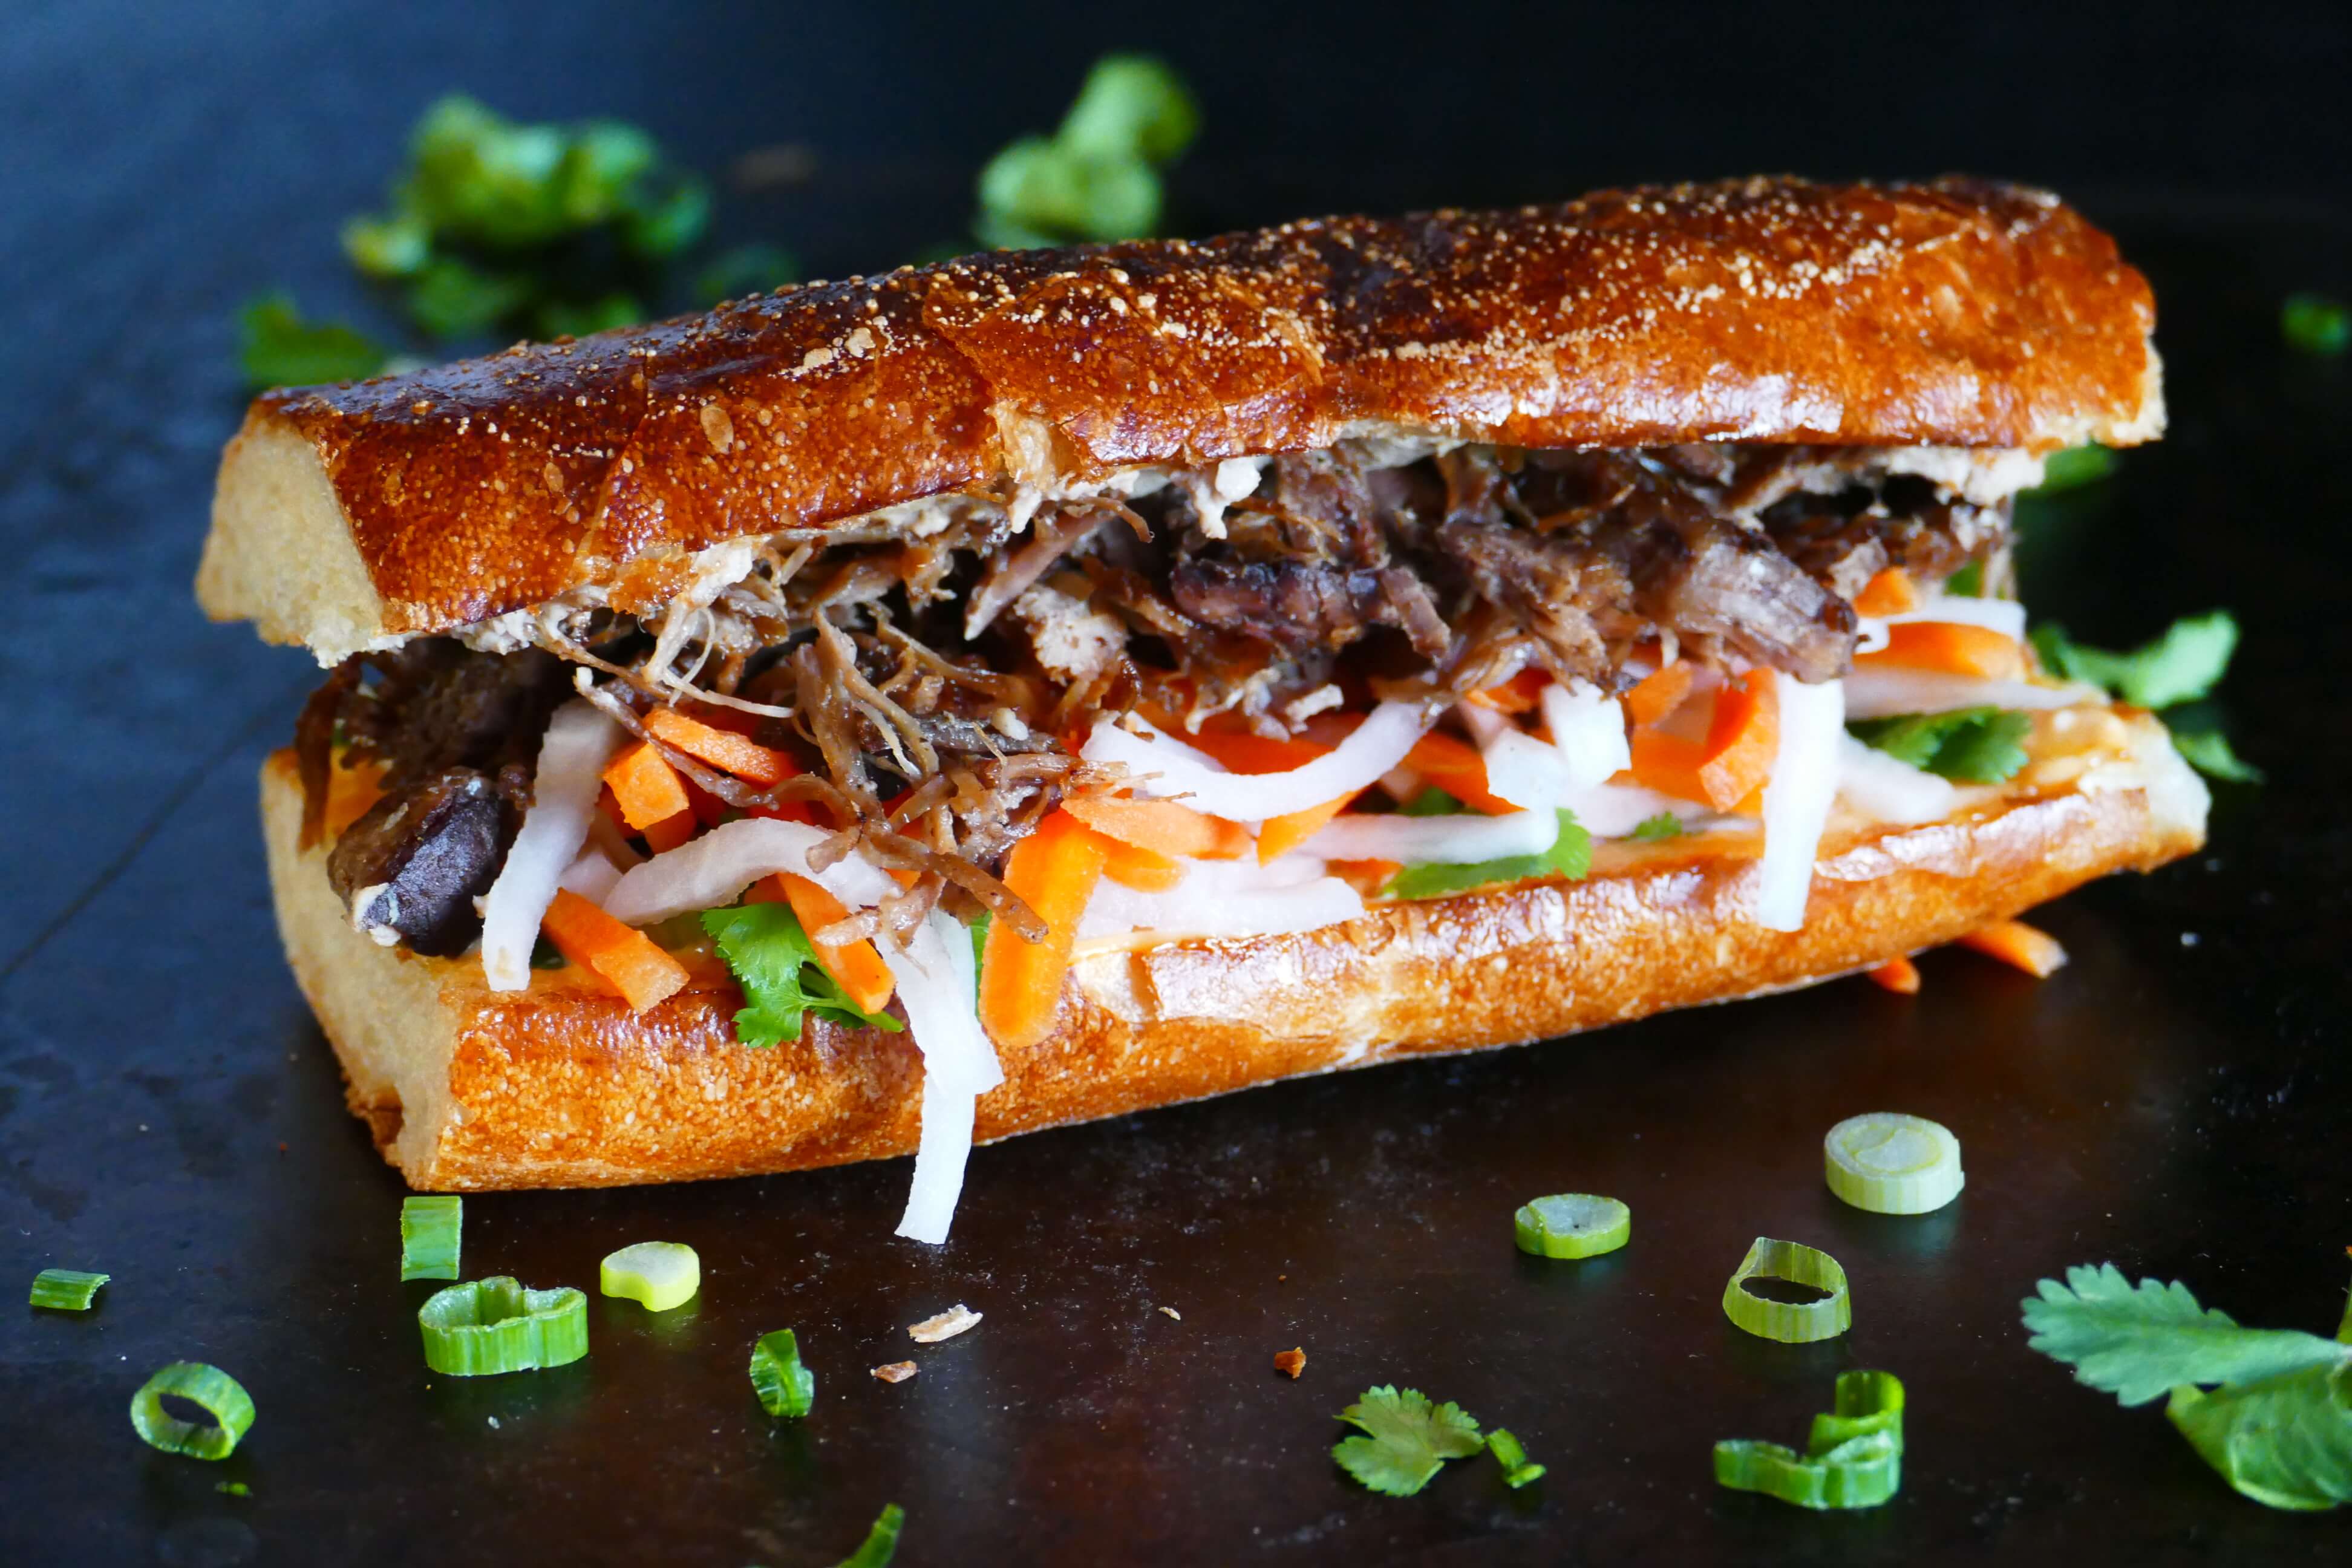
169,1113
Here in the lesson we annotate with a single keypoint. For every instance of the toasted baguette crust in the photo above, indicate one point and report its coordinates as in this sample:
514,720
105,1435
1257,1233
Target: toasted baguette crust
1957,313
562,1086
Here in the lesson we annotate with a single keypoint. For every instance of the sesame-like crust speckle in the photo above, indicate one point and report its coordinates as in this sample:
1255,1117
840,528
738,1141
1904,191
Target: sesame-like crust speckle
1951,313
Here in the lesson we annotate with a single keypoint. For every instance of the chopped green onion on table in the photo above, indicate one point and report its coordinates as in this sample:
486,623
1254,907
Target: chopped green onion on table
1789,1322
430,1233
66,1290
220,1396
660,1274
1572,1225
486,1327
1888,1163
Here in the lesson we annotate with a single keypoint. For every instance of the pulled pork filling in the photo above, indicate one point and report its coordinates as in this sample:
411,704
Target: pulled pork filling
934,669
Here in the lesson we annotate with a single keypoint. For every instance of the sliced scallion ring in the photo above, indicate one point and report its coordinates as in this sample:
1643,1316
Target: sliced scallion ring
785,1387
430,1233
1853,1459
661,1274
66,1290
1789,1322
221,1397
485,1327
1572,1225
1887,1163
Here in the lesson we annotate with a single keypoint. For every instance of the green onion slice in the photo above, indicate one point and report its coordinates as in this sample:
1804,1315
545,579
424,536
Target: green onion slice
1853,1459
785,1387
222,1397
881,1542
1513,1457
485,1327
429,1237
1572,1225
661,1274
1891,1163
1789,1322
66,1290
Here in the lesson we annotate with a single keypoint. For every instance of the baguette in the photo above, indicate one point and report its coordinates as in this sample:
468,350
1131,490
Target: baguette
562,1085
1953,313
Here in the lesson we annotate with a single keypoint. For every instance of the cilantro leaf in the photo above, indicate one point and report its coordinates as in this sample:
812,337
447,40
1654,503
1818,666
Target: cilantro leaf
744,270
1968,745
2182,666
771,959
275,347
1432,802
2139,1344
1097,176
2285,1442
1131,106
2315,325
1968,583
1407,1440
1658,829
2074,466
1570,856
2208,751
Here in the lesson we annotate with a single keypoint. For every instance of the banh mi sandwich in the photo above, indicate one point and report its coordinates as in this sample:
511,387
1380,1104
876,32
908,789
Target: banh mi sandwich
897,712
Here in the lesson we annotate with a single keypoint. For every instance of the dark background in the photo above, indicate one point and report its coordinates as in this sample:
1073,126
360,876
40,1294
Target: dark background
169,1112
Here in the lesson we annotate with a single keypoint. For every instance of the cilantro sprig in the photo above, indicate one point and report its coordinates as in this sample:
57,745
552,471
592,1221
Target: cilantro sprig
1097,176
1657,829
2180,668
2270,1409
1968,745
1406,1440
777,967
1570,855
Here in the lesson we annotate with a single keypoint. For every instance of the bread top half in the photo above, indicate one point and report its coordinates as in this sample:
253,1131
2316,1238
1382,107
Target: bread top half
1951,313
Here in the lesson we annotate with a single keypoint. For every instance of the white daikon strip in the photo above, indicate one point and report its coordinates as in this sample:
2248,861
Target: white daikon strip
1878,693
707,872
1378,744
2006,617
1888,789
1525,771
1227,897
1436,840
938,983
580,742
1589,729
1612,811
1797,798
1483,722
591,876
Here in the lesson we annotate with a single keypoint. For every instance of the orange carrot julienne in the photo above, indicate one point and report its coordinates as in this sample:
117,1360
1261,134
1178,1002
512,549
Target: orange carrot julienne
1898,975
671,831
1053,871
1367,877
644,786
1888,594
1278,835
2034,951
855,965
1145,870
1734,760
350,791
1950,646
628,959
721,748
1518,695
1165,826
1256,753
1658,694
1456,767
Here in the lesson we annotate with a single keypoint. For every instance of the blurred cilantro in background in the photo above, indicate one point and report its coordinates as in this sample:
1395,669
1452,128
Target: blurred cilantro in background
1097,177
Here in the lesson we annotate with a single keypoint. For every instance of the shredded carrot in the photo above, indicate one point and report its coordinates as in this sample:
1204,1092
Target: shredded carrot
1456,767
2034,951
1367,877
1145,870
721,748
1888,594
1899,976
791,811
1734,760
709,809
671,831
1518,695
1256,753
855,965
350,793
1658,694
1053,871
1278,835
1165,826
646,787
1951,646
628,959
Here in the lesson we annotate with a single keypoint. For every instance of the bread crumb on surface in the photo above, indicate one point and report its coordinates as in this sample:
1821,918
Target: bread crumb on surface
1173,1313
945,1325
900,1370
1292,1362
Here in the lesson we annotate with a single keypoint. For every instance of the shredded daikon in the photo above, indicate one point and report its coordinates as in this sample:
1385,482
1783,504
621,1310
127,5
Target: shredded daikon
1612,811
591,876
1525,771
1881,692
1378,744
580,742
1227,897
938,983
1436,840
1797,798
1888,789
707,872
1589,730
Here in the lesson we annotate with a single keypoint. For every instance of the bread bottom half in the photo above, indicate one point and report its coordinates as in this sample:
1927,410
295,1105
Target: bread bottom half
562,1085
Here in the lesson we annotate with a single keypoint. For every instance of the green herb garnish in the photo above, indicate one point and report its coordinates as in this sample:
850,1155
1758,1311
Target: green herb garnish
1517,1471
881,1542
432,1231
2315,325
1968,745
747,269
780,974
2073,467
210,1389
275,347
2183,665
66,1290
1657,829
1570,856
785,1387
2277,1425
1097,177
1853,1458
1968,583
1407,1440
2210,752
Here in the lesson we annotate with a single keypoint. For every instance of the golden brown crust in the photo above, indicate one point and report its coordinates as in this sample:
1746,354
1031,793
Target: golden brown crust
562,1086
1954,313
